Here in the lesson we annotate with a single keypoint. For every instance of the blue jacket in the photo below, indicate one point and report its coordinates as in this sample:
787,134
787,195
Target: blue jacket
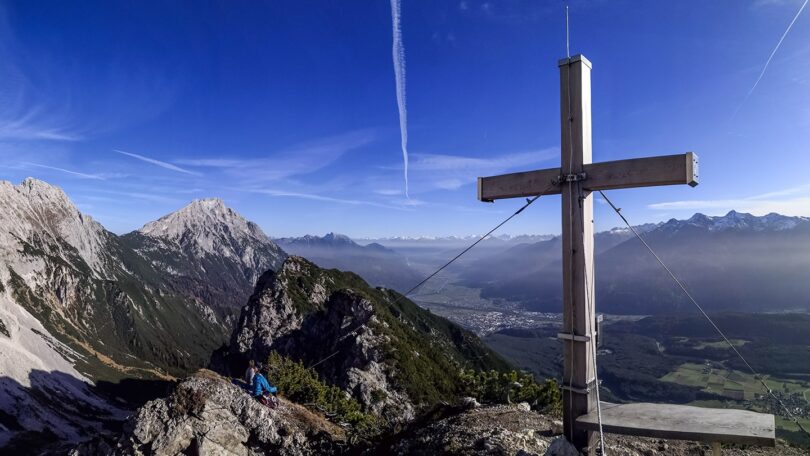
261,385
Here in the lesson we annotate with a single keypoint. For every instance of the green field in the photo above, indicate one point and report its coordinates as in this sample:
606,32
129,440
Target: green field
720,344
788,429
732,383
726,382
789,425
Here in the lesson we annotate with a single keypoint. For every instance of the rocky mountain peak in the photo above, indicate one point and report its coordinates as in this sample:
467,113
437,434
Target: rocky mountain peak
39,196
43,216
33,185
209,226
200,214
338,238
209,250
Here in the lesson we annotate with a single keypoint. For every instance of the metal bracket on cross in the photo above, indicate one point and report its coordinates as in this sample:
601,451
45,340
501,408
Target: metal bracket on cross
590,386
573,177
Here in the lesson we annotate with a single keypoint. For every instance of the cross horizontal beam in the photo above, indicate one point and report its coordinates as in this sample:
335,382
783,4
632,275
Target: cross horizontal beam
635,172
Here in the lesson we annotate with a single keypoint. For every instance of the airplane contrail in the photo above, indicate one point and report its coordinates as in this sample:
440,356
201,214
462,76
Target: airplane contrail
770,57
398,54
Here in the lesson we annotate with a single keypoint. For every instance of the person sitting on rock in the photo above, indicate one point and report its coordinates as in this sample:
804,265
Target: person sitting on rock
250,372
262,389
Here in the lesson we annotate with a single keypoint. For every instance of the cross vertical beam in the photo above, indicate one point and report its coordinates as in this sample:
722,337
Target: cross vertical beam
577,243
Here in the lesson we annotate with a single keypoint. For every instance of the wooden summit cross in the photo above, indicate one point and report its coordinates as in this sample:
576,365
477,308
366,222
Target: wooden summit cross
575,180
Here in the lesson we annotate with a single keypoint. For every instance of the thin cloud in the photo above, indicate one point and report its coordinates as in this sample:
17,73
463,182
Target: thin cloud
26,114
770,57
398,55
213,162
159,163
20,131
452,172
143,196
29,124
303,158
43,99
387,192
796,203
67,171
450,184
439,162
328,199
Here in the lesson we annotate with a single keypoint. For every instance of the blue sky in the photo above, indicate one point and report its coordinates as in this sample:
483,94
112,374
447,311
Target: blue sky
288,110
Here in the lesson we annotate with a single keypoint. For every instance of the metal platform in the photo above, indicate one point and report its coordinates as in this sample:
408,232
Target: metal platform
683,422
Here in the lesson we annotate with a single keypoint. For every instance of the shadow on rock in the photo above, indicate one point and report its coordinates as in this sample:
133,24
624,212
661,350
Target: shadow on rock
55,410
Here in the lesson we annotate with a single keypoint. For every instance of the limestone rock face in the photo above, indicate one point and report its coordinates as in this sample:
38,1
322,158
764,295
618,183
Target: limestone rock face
308,323
208,415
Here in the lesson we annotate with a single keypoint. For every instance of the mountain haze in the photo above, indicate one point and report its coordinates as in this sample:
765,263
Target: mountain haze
732,262
378,265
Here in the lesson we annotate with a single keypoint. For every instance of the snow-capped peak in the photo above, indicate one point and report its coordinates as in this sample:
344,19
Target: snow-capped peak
740,221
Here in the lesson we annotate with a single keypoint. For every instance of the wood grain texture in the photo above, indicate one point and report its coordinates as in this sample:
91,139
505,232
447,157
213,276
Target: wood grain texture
579,303
683,422
643,172
676,169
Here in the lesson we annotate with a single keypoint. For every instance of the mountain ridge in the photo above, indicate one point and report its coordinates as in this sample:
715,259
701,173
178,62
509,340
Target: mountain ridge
82,304
735,261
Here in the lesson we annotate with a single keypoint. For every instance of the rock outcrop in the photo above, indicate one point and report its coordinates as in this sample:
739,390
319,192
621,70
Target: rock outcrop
387,352
494,430
206,414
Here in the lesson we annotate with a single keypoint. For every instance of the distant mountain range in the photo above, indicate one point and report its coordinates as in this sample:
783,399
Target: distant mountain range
379,265
502,238
734,262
